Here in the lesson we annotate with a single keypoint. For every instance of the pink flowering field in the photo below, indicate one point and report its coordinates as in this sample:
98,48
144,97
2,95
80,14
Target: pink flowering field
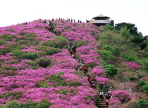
37,68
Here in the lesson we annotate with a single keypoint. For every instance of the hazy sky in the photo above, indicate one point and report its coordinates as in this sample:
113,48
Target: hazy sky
130,11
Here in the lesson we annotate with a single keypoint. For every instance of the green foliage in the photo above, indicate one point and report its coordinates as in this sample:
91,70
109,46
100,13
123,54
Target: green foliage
50,43
131,27
141,83
61,42
15,94
44,103
60,73
106,54
125,33
44,62
143,62
49,50
79,43
108,27
129,57
25,42
92,64
4,50
131,78
65,91
2,41
24,55
8,70
58,42
72,83
7,37
111,49
145,87
143,103
110,69
13,104
141,75
42,84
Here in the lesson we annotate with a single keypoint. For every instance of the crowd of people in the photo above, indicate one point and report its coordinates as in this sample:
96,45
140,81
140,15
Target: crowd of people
83,67
92,80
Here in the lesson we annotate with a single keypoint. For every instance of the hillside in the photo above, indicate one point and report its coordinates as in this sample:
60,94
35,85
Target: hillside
38,71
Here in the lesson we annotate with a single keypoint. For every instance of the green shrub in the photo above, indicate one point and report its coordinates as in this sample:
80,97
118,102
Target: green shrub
34,64
50,43
2,41
110,69
49,50
8,70
65,91
24,55
60,73
143,103
79,43
141,75
7,37
44,62
111,49
106,54
13,104
72,83
145,87
133,78
44,103
125,32
15,94
4,50
59,42
16,52
144,62
41,84
58,80
14,46
141,83
92,64
25,42
129,57
108,27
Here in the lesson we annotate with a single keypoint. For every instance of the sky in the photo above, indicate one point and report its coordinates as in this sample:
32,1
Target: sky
129,11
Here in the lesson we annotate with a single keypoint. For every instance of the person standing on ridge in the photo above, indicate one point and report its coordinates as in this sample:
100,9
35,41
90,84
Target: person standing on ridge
74,49
70,43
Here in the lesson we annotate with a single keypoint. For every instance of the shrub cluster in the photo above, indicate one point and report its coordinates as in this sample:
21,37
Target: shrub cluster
24,55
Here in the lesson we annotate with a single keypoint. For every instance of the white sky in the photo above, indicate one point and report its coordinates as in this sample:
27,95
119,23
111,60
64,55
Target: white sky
130,11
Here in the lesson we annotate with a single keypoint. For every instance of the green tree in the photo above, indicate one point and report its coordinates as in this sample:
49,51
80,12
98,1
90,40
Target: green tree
131,27
125,32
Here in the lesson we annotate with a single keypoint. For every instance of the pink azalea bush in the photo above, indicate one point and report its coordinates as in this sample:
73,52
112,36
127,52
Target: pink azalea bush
123,96
133,65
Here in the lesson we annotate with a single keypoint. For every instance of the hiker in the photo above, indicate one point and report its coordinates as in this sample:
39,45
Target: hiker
52,19
71,52
45,21
79,60
101,95
50,28
93,78
70,43
74,49
108,96
93,85
89,78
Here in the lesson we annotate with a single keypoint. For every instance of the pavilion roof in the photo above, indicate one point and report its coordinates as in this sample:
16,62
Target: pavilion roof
101,16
